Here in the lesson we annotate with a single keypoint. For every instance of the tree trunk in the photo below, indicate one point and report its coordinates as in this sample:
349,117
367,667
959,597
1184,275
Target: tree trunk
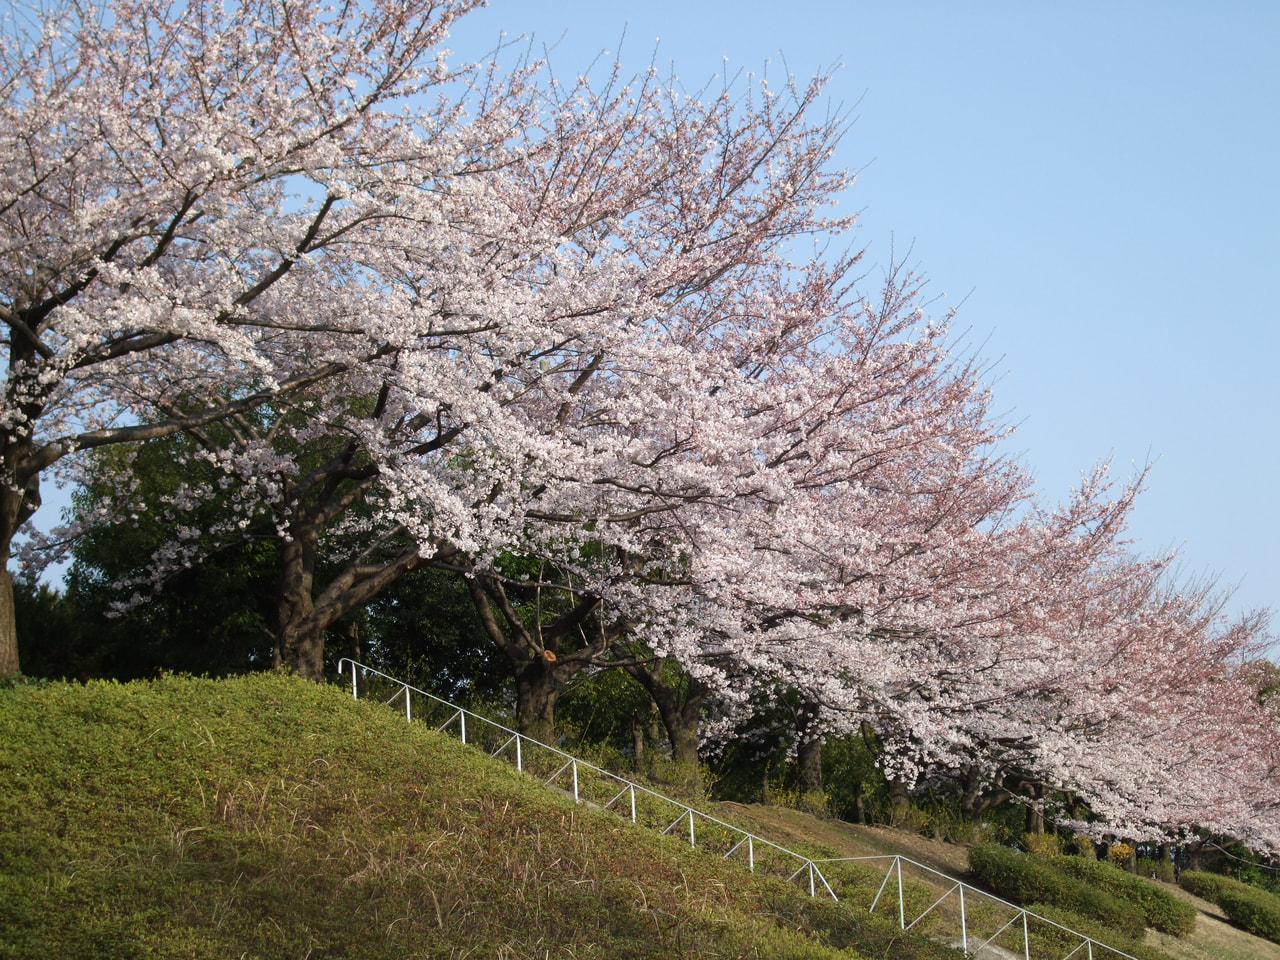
537,690
299,634
979,795
679,713
540,672
304,617
809,751
19,486
809,764
899,802
8,625
1193,854
1035,816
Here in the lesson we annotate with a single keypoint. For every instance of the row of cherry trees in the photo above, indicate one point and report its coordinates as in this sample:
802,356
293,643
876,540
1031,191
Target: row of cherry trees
588,347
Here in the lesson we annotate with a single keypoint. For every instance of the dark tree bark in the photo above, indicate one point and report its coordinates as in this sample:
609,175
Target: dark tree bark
540,663
979,795
809,750
679,706
899,802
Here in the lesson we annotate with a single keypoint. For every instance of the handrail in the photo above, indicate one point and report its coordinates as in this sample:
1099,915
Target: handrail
983,893
809,864
570,760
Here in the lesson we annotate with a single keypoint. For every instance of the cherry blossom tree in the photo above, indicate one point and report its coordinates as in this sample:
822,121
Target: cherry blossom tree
163,264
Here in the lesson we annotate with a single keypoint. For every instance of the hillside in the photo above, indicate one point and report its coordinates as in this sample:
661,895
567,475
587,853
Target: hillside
269,817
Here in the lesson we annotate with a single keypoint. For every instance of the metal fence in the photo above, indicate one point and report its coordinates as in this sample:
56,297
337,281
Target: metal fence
936,905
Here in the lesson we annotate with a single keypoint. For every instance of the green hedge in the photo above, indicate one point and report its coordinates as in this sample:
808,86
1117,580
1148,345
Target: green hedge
1026,879
1252,910
1160,908
1058,942
1206,886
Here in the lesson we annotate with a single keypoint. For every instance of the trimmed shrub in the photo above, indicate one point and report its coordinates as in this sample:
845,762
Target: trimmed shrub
1026,879
1208,886
1252,910
1058,942
1161,909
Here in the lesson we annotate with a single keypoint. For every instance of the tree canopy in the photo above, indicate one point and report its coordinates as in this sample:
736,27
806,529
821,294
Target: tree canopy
593,348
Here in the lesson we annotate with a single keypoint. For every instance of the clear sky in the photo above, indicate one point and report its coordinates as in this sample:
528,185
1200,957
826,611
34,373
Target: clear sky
1098,182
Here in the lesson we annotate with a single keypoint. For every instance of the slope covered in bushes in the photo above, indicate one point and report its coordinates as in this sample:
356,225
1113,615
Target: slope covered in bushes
1160,909
1026,879
1252,910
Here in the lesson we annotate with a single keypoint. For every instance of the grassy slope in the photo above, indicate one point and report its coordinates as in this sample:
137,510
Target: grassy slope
266,817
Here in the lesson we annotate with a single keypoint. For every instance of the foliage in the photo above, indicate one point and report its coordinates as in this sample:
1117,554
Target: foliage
423,629
1026,879
1059,942
1042,844
854,781
1206,886
1119,854
1253,910
10,681
1162,910
1158,869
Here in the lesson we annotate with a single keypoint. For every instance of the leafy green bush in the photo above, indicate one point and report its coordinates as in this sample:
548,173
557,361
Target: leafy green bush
1027,879
1207,886
1055,942
1161,909
11,681
1252,910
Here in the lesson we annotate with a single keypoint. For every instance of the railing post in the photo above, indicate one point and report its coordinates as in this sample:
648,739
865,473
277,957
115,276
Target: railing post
462,723
964,928
751,854
902,909
1026,938
575,781
519,759
691,843
408,711
812,890
355,693
633,803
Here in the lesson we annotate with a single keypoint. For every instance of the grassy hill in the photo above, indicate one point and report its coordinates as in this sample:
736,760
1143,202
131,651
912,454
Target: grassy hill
268,817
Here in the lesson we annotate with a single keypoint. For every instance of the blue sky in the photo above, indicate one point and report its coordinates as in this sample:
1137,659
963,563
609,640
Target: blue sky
1098,183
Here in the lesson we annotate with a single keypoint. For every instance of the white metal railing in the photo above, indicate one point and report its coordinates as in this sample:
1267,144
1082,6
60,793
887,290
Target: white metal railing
1021,919
641,805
